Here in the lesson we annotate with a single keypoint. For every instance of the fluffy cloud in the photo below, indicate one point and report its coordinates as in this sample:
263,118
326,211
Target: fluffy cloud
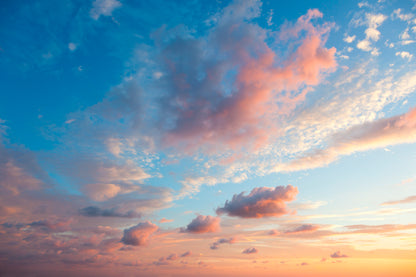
250,250
203,224
373,21
404,55
261,202
103,7
205,106
139,235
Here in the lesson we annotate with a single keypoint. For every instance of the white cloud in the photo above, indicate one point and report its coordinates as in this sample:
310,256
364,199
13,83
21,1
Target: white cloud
103,7
404,55
373,21
405,34
349,39
364,45
404,17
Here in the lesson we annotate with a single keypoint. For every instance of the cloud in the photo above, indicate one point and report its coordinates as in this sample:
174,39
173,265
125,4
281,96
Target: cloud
349,39
304,228
409,199
101,192
94,211
373,21
51,226
229,96
261,202
186,254
172,257
250,250
164,220
372,135
140,234
338,254
216,244
203,224
72,46
405,55
377,229
103,7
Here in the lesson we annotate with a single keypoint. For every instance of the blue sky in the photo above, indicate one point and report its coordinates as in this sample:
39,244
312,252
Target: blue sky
124,123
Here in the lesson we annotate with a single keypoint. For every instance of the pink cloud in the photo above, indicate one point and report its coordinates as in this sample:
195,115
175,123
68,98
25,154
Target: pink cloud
372,135
409,199
139,235
261,202
203,224
202,113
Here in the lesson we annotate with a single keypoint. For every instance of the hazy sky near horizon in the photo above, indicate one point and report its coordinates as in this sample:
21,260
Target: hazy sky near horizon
227,138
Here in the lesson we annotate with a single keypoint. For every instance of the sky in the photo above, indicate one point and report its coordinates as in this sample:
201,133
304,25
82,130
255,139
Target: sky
207,138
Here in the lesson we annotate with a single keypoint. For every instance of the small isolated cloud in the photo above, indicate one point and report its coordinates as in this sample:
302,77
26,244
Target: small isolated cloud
364,45
409,199
250,250
172,257
139,235
203,224
186,254
94,211
164,220
304,263
261,202
103,7
273,232
349,39
216,244
337,255
304,228
405,55
72,46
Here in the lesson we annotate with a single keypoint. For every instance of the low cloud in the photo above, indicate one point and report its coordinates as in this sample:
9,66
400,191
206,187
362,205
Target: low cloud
94,211
305,228
140,234
261,202
203,224
216,244
338,254
250,250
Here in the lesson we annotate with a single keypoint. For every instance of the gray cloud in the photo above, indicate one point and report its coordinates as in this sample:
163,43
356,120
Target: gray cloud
261,202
